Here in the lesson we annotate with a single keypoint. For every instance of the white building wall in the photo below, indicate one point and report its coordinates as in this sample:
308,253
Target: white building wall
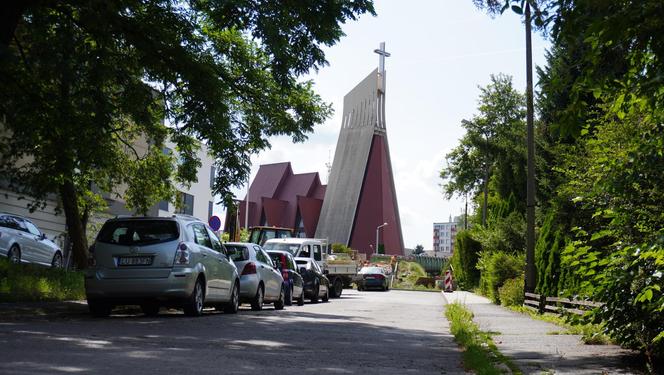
200,190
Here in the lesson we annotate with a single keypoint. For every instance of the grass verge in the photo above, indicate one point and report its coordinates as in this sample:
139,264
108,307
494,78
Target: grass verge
31,283
480,354
591,334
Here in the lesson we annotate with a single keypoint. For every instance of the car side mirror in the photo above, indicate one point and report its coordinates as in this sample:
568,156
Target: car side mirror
42,236
326,272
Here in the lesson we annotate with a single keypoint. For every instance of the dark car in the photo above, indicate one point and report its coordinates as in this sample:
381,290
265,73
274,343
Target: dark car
316,284
292,279
372,278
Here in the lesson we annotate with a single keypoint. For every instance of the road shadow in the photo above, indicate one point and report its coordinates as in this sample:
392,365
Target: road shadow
288,341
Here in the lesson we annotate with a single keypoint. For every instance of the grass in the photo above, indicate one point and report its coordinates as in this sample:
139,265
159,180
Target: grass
31,283
480,354
591,334
407,275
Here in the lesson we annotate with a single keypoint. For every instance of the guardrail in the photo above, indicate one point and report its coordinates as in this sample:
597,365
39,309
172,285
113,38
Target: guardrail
558,305
430,264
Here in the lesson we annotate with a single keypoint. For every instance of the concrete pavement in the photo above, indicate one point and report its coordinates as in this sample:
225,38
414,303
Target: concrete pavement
532,347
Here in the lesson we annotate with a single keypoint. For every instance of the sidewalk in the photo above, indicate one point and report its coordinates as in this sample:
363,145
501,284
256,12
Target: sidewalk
529,344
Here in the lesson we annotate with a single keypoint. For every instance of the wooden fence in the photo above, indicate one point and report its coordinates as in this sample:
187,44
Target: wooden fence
558,305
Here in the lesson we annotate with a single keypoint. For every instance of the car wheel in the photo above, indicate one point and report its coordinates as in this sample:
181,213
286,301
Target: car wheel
194,305
232,306
14,254
57,260
257,302
289,296
359,288
326,296
279,304
300,302
150,308
99,308
337,289
314,296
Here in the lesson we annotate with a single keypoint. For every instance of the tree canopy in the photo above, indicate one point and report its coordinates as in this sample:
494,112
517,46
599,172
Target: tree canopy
600,142
83,82
492,146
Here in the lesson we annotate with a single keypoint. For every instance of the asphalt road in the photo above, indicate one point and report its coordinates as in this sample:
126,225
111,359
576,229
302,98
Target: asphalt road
395,332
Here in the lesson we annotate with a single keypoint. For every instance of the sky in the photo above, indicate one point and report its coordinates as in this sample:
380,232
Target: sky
441,51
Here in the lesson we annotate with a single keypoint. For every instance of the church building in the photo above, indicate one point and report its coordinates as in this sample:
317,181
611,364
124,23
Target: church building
359,206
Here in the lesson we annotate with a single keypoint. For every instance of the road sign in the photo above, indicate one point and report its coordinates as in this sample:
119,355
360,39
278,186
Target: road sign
214,222
448,281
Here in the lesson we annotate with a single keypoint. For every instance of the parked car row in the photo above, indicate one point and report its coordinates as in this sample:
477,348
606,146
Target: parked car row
179,262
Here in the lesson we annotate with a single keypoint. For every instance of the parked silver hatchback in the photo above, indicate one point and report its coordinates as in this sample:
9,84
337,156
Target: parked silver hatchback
155,261
260,281
22,242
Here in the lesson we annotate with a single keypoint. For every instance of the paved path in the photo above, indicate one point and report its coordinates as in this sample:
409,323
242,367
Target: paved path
394,332
532,347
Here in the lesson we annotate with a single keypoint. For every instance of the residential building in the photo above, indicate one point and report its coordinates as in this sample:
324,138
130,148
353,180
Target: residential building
196,200
444,236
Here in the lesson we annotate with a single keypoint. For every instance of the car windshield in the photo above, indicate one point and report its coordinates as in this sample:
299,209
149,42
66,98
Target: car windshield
276,257
237,253
138,232
290,247
366,270
303,263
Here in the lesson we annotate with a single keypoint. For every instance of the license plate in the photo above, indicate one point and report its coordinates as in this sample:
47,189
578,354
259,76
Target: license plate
135,261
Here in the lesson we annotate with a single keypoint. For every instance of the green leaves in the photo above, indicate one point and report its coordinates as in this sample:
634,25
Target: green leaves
84,82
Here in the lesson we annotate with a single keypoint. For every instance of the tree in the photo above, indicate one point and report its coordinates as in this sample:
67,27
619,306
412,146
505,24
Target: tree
83,81
492,145
419,249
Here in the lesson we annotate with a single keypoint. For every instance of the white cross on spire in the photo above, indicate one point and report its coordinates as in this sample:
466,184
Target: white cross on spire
381,60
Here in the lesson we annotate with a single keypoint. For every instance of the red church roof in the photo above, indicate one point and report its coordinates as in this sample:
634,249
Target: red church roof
277,196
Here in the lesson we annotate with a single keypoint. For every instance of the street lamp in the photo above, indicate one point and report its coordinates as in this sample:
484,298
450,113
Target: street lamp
377,232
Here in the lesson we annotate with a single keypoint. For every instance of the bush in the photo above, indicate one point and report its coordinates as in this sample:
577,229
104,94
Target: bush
27,283
464,261
339,248
496,268
511,293
632,287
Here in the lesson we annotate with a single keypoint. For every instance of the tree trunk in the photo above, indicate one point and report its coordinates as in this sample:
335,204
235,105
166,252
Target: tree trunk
465,216
531,272
486,196
75,228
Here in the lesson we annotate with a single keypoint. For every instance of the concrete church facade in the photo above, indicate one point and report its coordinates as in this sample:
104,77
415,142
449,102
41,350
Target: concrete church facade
360,197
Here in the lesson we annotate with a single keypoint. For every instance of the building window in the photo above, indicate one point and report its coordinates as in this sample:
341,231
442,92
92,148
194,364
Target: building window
163,205
299,226
186,203
213,175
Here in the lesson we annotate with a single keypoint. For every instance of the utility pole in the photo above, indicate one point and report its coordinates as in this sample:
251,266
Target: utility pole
530,185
